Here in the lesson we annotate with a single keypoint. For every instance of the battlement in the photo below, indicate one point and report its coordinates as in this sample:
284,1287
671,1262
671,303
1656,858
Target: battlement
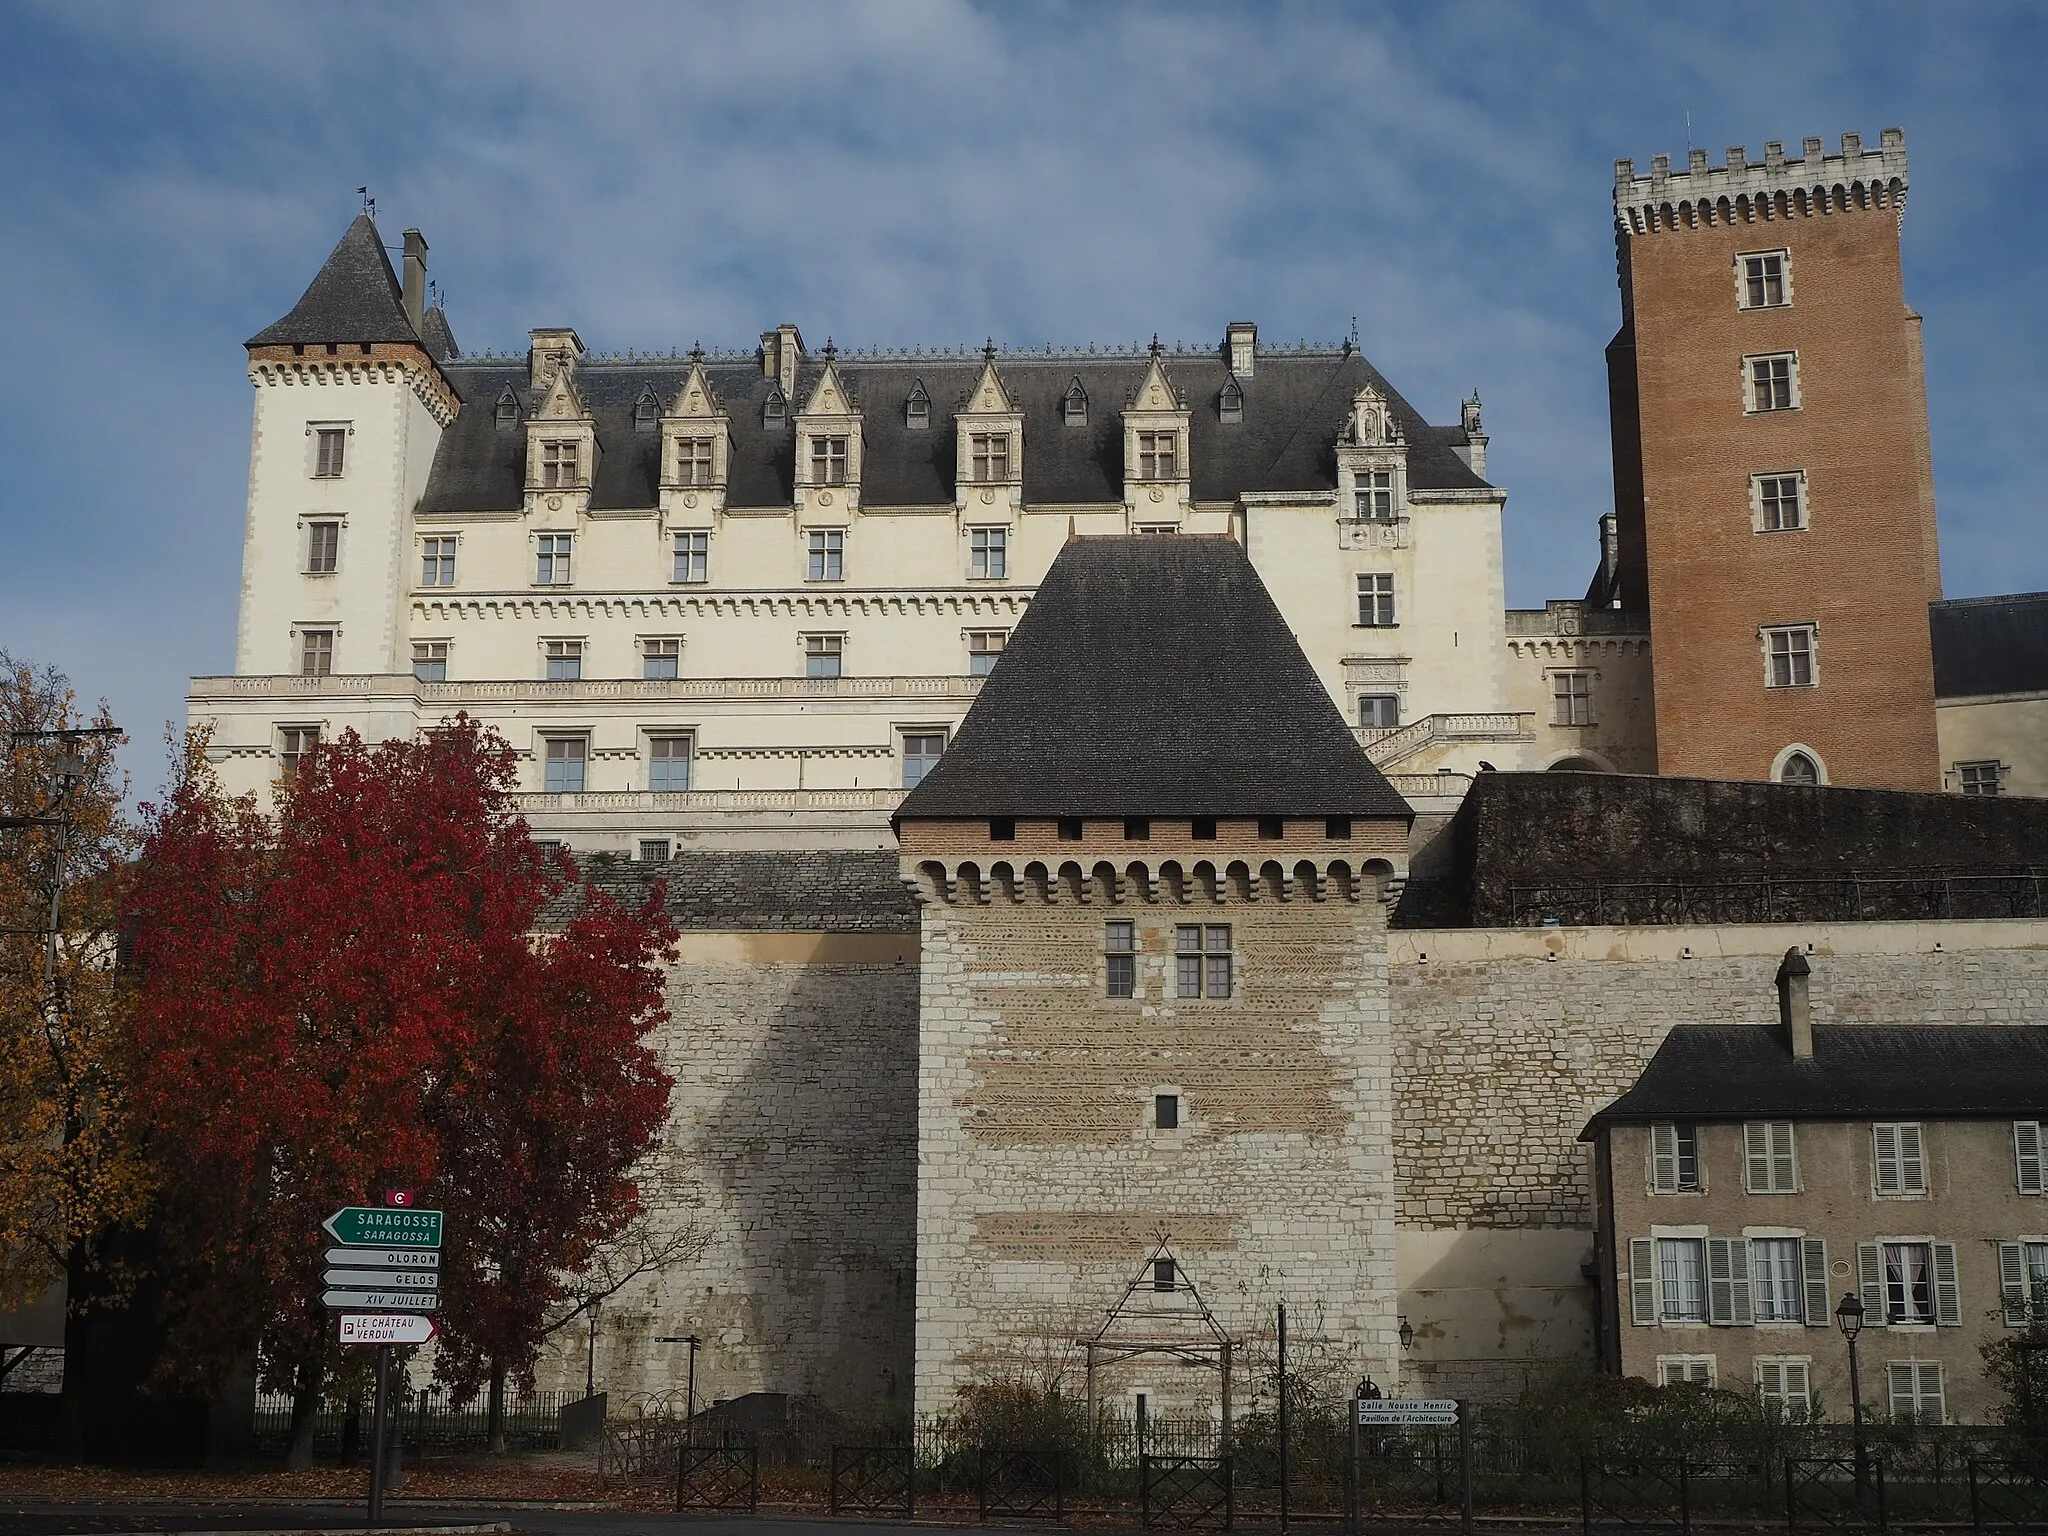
1746,190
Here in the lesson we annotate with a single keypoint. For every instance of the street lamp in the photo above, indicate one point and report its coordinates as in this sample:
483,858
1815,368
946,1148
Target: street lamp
1849,1315
1407,1334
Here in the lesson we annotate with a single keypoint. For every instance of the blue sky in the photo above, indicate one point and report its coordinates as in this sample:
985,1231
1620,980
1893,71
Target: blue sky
930,173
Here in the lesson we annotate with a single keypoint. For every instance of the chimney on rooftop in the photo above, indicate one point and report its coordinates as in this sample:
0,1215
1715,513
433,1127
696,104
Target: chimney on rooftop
415,278
1242,337
1795,1006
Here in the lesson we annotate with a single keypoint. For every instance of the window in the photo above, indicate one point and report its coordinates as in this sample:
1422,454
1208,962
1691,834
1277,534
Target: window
917,410
1908,1282
775,409
1798,768
1120,959
1070,829
1379,711
505,415
1763,279
668,764
988,553
330,444
1914,1387
1774,1274
1272,827
1899,1162
430,661
1788,656
1337,828
316,652
437,561
1773,383
654,850
828,461
1979,778
558,463
1768,1164
1230,402
646,411
1156,455
293,743
2027,1161
565,757
2023,1281
1163,1278
823,655
828,555
1074,405
564,660
1166,1111
1674,1158
661,658
1137,829
323,548
693,557
988,457
1002,829
1784,1389
1571,698
1156,529
1780,503
1376,599
1374,498
1202,960
1682,1279
1203,829
984,650
920,756
1685,1370
552,567
693,461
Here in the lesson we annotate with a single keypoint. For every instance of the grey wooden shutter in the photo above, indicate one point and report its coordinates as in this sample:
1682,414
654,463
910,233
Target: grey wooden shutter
2012,1284
1784,1166
1756,1150
1798,1393
1948,1291
2026,1146
1931,1406
1912,1161
1770,1384
1642,1281
1898,1383
1870,1275
1885,1155
1720,1282
1742,1307
1813,1276
1664,1158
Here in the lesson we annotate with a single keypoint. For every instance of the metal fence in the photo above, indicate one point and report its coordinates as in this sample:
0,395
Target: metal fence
427,1420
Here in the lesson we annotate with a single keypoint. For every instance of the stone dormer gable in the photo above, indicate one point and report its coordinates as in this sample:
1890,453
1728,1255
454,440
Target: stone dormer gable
561,443
1371,423
697,439
563,400
828,445
989,444
1156,417
1372,463
551,350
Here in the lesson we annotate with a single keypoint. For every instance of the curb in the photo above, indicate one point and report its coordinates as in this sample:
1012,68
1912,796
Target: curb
476,1529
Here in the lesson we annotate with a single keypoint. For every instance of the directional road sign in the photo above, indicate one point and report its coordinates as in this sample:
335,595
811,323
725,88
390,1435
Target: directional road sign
386,1328
385,1258
375,1226
1415,1412
380,1301
384,1279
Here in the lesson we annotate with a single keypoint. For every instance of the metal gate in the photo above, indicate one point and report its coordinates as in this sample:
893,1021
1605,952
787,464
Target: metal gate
874,1480
718,1477
1021,1484
1821,1494
1634,1493
2007,1496
1186,1493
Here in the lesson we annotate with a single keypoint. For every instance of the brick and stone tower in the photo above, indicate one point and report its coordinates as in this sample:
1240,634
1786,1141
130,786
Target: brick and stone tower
1153,1004
1773,481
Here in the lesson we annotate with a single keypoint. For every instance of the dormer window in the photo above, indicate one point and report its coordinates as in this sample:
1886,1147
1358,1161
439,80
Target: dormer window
646,411
917,410
559,463
989,458
775,409
1075,406
1230,403
1156,454
506,416
828,461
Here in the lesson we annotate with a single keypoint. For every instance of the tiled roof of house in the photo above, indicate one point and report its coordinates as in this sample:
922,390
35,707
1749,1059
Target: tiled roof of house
1990,645
1153,676
746,891
354,298
1903,1071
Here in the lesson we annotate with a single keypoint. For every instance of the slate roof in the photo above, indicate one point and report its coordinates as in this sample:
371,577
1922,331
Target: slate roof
1153,676
1858,1071
436,335
749,891
354,298
1293,407
1990,645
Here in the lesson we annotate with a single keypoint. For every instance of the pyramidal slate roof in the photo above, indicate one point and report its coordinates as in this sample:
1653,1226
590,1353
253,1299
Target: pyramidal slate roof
353,298
1990,645
1152,675
1858,1071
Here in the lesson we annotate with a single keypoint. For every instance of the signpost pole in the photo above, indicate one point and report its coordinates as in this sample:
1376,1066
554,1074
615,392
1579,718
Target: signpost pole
378,1414
1465,1462
1283,1418
1354,1482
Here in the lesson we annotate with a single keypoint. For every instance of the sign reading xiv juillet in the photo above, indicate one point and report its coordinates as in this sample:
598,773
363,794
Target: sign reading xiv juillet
371,1226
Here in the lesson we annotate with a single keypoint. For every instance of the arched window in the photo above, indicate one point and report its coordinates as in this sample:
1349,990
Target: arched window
1799,769
775,408
646,411
917,410
506,415
1230,403
1075,406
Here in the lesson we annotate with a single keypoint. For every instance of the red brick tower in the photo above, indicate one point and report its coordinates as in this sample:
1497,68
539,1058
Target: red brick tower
1773,481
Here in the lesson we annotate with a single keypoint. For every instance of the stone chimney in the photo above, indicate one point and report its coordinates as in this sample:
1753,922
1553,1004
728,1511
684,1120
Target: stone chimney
1795,1006
1474,453
416,279
781,349
1241,337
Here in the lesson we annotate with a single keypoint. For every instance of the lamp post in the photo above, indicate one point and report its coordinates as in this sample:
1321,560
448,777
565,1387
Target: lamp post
1849,1315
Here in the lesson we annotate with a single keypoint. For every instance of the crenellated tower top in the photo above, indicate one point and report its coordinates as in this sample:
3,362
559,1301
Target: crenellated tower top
1745,190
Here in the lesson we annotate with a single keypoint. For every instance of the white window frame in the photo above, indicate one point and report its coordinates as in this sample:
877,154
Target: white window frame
696,461
1779,1393
831,456
1944,1285
1208,968
1769,637
988,554
548,741
1377,605
1120,958
430,653
1157,462
823,645
988,458
1743,301
661,648
309,654
1686,1367
554,555
561,463
322,434
563,653
437,559
1903,1144
1770,1157
293,743
1759,514
1763,1279
1375,494
1751,394
2023,1279
688,758
2029,1158
315,526
982,655
1916,1394
825,554
1668,1159
909,733
690,549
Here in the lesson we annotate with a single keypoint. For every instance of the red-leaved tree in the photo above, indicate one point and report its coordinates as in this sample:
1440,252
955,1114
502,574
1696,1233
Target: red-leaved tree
326,996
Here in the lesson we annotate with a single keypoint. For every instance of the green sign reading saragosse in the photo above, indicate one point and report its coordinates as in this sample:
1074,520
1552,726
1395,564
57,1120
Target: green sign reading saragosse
370,1226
